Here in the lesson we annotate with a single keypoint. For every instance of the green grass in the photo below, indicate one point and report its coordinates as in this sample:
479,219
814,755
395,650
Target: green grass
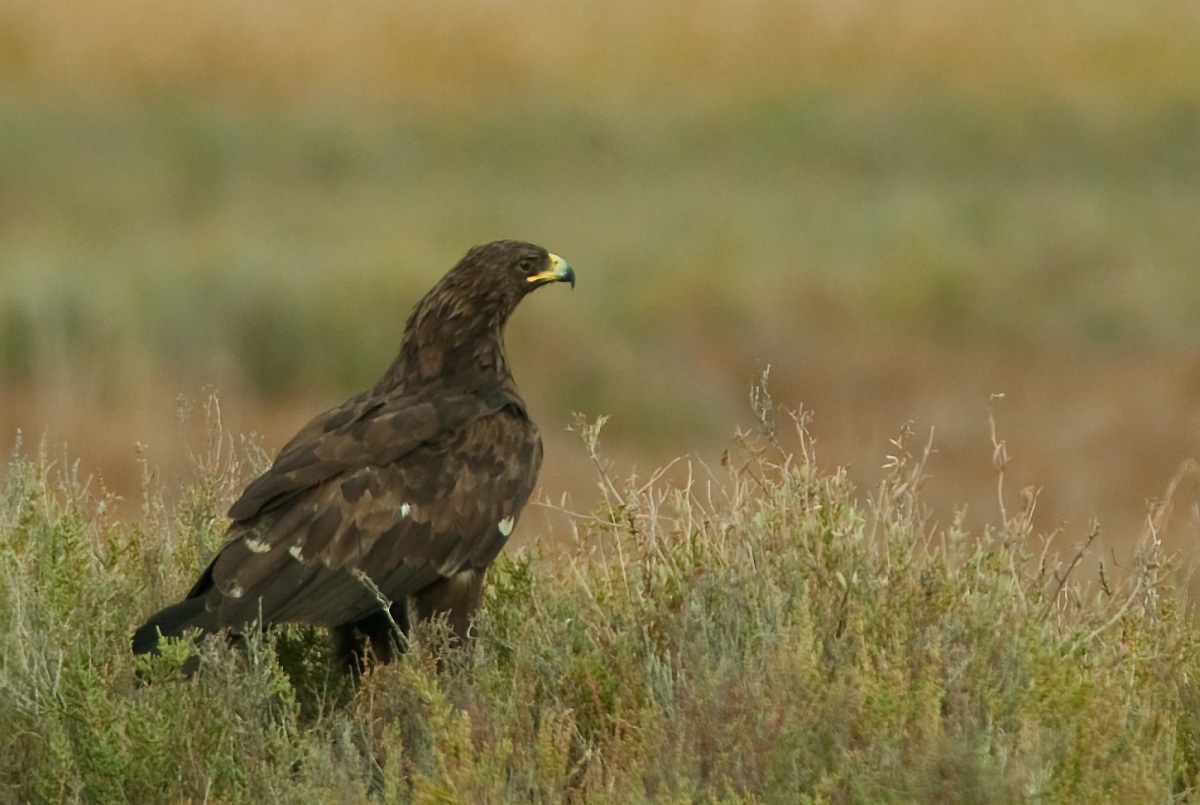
753,634
278,251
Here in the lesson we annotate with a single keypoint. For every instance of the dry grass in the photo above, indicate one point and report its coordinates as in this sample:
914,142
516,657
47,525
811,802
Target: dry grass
461,54
749,634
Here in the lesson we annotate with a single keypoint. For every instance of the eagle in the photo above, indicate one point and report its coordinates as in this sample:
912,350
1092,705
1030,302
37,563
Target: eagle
403,494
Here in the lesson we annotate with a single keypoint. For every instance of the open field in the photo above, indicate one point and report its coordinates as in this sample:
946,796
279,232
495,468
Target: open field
902,208
749,635
890,259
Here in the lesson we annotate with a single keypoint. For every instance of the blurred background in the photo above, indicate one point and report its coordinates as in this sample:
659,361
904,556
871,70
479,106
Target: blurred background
902,207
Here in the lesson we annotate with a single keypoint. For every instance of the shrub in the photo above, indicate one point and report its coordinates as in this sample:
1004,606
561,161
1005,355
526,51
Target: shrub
752,632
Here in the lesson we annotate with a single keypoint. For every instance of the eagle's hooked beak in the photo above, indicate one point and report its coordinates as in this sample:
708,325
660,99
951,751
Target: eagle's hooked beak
559,271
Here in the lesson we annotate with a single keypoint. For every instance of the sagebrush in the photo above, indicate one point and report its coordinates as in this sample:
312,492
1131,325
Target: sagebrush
754,632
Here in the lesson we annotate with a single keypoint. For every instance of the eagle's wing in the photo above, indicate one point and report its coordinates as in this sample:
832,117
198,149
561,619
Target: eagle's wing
361,431
404,491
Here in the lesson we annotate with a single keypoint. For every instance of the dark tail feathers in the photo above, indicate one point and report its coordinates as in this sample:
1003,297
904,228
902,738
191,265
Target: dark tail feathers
172,622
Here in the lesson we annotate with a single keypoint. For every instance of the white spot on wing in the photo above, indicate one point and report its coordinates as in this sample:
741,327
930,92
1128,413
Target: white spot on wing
235,591
297,552
257,546
505,526
405,510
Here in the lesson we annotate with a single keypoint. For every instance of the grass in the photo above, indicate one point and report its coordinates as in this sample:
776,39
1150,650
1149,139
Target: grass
466,54
176,238
252,197
902,207
152,247
219,194
752,634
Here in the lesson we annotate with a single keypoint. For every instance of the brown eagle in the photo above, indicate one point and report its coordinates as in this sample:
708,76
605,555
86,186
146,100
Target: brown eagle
406,491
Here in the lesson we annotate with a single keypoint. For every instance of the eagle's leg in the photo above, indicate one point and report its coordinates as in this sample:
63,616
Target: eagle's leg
381,633
455,597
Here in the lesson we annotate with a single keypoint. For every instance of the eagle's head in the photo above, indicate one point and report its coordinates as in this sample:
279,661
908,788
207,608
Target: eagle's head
484,288
494,277
457,324
524,265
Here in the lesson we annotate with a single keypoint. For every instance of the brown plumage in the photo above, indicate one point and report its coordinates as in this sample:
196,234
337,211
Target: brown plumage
411,487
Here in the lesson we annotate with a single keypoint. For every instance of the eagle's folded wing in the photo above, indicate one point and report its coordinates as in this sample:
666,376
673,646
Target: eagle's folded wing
401,517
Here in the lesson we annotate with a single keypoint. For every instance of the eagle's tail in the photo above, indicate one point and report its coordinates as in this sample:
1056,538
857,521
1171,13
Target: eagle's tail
172,622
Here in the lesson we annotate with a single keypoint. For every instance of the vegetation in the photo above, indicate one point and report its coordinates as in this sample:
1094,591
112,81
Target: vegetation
250,197
904,206
193,193
750,635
